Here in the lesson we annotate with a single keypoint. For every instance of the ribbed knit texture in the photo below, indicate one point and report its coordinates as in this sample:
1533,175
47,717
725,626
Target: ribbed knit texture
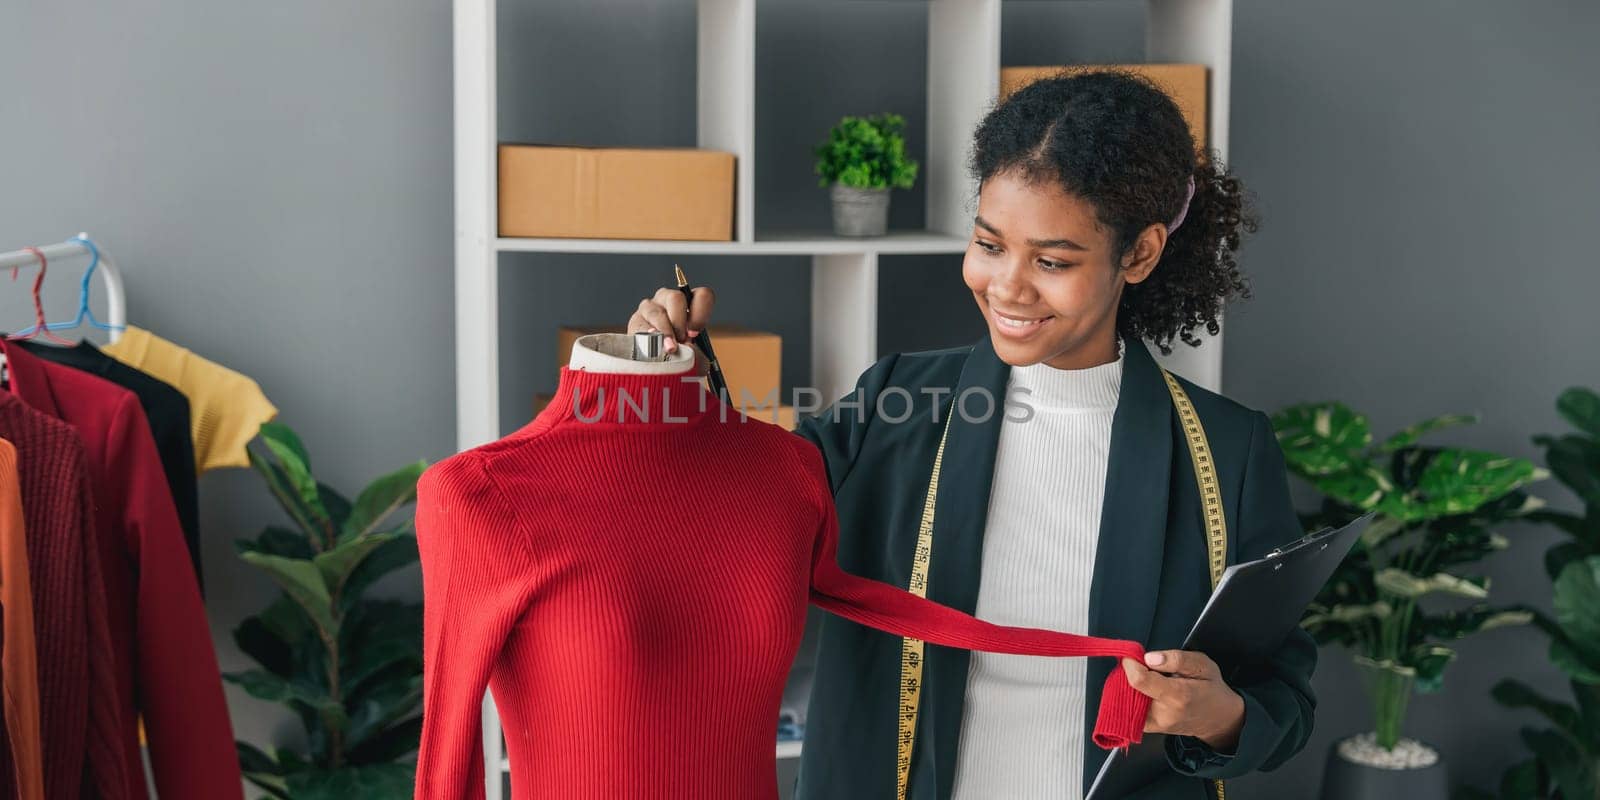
80,719
634,590
1022,726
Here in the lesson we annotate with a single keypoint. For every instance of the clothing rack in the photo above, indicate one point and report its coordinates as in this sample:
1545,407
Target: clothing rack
110,275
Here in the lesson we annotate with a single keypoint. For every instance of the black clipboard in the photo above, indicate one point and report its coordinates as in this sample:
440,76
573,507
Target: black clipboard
1255,606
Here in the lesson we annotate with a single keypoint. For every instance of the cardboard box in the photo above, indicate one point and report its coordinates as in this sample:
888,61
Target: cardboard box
751,360
616,193
1184,83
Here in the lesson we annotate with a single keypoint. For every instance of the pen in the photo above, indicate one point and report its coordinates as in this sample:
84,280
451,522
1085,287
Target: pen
719,384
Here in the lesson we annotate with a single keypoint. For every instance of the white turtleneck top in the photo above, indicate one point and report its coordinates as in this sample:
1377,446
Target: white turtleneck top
1022,727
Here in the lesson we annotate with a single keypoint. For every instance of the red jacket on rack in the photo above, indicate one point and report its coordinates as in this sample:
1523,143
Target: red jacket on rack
165,665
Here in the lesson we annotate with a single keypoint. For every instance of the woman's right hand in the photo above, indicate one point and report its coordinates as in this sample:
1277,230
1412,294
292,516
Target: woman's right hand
667,311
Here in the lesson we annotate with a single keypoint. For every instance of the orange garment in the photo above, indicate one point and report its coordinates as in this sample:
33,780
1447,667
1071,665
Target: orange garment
20,661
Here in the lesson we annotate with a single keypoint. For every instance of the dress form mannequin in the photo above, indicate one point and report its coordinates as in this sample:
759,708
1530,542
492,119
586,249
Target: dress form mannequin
632,583
613,352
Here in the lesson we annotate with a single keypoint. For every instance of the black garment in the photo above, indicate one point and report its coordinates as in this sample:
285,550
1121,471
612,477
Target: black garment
167,411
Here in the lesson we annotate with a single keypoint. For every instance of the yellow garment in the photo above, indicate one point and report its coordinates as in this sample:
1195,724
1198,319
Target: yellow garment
19,661
226,409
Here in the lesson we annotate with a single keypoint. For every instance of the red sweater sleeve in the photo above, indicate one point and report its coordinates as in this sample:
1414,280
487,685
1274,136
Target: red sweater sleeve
179,688
475,568
893,610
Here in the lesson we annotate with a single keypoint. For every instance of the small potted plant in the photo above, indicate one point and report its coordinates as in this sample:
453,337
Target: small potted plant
1388,602
862,160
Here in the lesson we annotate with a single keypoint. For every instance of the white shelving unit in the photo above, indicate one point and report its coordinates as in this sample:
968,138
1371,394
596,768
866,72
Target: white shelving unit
963,80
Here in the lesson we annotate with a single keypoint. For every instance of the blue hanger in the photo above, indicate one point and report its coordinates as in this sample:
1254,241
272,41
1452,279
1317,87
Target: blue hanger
84,312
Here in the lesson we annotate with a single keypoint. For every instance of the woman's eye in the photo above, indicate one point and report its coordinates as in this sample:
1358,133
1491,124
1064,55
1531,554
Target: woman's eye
987,247
1051,265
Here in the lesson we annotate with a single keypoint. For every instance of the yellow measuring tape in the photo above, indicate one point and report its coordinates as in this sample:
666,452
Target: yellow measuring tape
911,650
1205,475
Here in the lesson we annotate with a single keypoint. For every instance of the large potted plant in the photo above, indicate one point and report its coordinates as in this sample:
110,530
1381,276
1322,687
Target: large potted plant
863,159
1437,510
349,666
1565,760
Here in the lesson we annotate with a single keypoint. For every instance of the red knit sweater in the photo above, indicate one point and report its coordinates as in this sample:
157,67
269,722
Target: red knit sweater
634,590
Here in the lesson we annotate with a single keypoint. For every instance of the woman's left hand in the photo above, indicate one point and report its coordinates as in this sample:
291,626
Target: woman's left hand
1188,697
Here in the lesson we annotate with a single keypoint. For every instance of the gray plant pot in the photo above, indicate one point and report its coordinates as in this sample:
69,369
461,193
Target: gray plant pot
1343,779
860,212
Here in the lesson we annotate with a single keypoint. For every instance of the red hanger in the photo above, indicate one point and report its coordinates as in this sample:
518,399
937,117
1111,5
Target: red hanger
38,303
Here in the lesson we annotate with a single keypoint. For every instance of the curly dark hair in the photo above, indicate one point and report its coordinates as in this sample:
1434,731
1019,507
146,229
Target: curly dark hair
1118,142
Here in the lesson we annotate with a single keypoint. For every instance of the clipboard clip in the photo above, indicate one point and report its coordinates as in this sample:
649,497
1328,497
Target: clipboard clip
1320,537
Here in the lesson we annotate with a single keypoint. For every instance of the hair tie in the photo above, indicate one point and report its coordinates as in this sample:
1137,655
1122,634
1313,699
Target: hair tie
1182,212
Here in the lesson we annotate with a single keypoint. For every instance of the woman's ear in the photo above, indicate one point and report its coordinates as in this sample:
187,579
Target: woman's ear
1141,259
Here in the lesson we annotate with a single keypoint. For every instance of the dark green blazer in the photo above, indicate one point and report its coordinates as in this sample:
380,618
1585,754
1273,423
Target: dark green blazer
1150,574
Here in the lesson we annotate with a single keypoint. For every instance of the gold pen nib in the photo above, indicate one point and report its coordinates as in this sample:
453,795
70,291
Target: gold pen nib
683,280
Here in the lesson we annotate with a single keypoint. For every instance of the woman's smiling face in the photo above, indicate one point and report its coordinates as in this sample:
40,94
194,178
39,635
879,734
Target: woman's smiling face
1044,272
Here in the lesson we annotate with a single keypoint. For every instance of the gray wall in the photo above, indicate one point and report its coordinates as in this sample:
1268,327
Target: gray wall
276,180
1427,178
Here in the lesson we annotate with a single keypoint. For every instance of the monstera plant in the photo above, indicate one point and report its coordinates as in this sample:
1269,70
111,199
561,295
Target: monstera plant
349,666
1437,512
1566,757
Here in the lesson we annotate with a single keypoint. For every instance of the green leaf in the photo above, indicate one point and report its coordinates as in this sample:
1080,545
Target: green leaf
1382,528
1322,438
280,436
1569,659
1409,435
338,505
266,686
252,759
279,484
392,743
395,554
1429,662
276,541
377,635
1575,460
1574,774
259,642
336,565
1557,558
381,498
1403,584
301,580
261,770
1367,489
367,782
1521,781
1459,481
387,703
1577,608
1584,529
296,466
1515,694
1581,407
1348,614
1463,623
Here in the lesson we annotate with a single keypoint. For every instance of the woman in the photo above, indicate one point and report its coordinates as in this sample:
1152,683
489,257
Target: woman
1072,504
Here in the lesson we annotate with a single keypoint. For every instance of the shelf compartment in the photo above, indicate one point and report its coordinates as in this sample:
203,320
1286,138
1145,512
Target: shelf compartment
775,243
